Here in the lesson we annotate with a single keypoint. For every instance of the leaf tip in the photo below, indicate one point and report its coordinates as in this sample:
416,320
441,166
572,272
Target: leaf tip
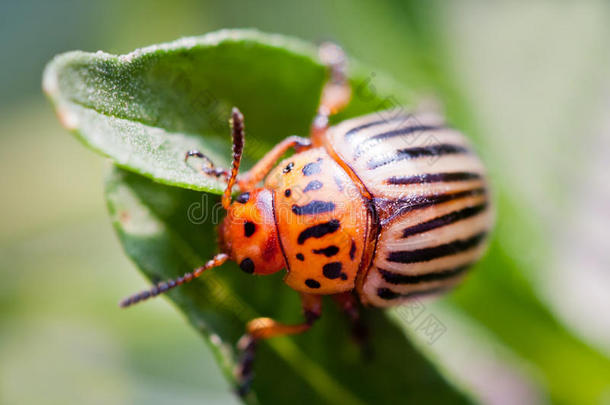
67,118
123,217
49,83
50,77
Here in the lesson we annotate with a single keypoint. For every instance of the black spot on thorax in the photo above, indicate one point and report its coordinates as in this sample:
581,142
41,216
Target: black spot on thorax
339,183
328,251
319,230
332,270
312,168
313,208
313,185
311,283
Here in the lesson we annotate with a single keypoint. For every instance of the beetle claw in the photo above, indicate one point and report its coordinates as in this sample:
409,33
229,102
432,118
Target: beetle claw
244,371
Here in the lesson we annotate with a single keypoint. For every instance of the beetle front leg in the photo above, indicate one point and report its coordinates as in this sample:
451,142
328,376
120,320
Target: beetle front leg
265,328
208,168
258,172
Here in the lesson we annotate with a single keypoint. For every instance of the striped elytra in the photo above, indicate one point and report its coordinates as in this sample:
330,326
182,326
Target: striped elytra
392,207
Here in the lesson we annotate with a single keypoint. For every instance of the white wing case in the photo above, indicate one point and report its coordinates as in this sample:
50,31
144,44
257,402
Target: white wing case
430,197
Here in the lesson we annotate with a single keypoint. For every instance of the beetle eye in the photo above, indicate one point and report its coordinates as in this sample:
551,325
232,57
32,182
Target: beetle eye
243,198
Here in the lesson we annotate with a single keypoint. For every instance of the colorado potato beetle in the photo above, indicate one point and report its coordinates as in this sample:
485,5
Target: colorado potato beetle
377,209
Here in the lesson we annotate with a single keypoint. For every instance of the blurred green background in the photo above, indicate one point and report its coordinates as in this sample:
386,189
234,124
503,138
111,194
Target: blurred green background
532,76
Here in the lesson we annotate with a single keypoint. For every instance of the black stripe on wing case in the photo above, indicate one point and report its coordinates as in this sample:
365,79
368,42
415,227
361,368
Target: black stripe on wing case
418,152
373,140
387,294
444,220
313,208
425,201
355,130
395,278
435,252
425,178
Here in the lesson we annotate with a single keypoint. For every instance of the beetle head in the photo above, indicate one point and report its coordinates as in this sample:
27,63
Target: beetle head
248,233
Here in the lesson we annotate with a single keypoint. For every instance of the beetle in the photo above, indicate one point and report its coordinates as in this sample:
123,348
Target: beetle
377,209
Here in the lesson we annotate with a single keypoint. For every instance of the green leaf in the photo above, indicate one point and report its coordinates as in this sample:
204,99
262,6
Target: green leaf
146,109
160,231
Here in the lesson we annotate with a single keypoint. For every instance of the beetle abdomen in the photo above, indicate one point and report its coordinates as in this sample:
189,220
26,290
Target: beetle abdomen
429,192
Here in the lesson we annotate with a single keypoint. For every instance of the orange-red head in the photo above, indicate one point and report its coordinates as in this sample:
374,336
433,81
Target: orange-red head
248,233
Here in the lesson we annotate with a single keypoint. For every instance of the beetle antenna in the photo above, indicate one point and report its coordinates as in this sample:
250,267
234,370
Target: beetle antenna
238,133
169,284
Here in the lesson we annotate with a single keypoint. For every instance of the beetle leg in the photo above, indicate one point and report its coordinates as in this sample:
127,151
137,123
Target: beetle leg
336,93
265,328
360,333
258,172
208,168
